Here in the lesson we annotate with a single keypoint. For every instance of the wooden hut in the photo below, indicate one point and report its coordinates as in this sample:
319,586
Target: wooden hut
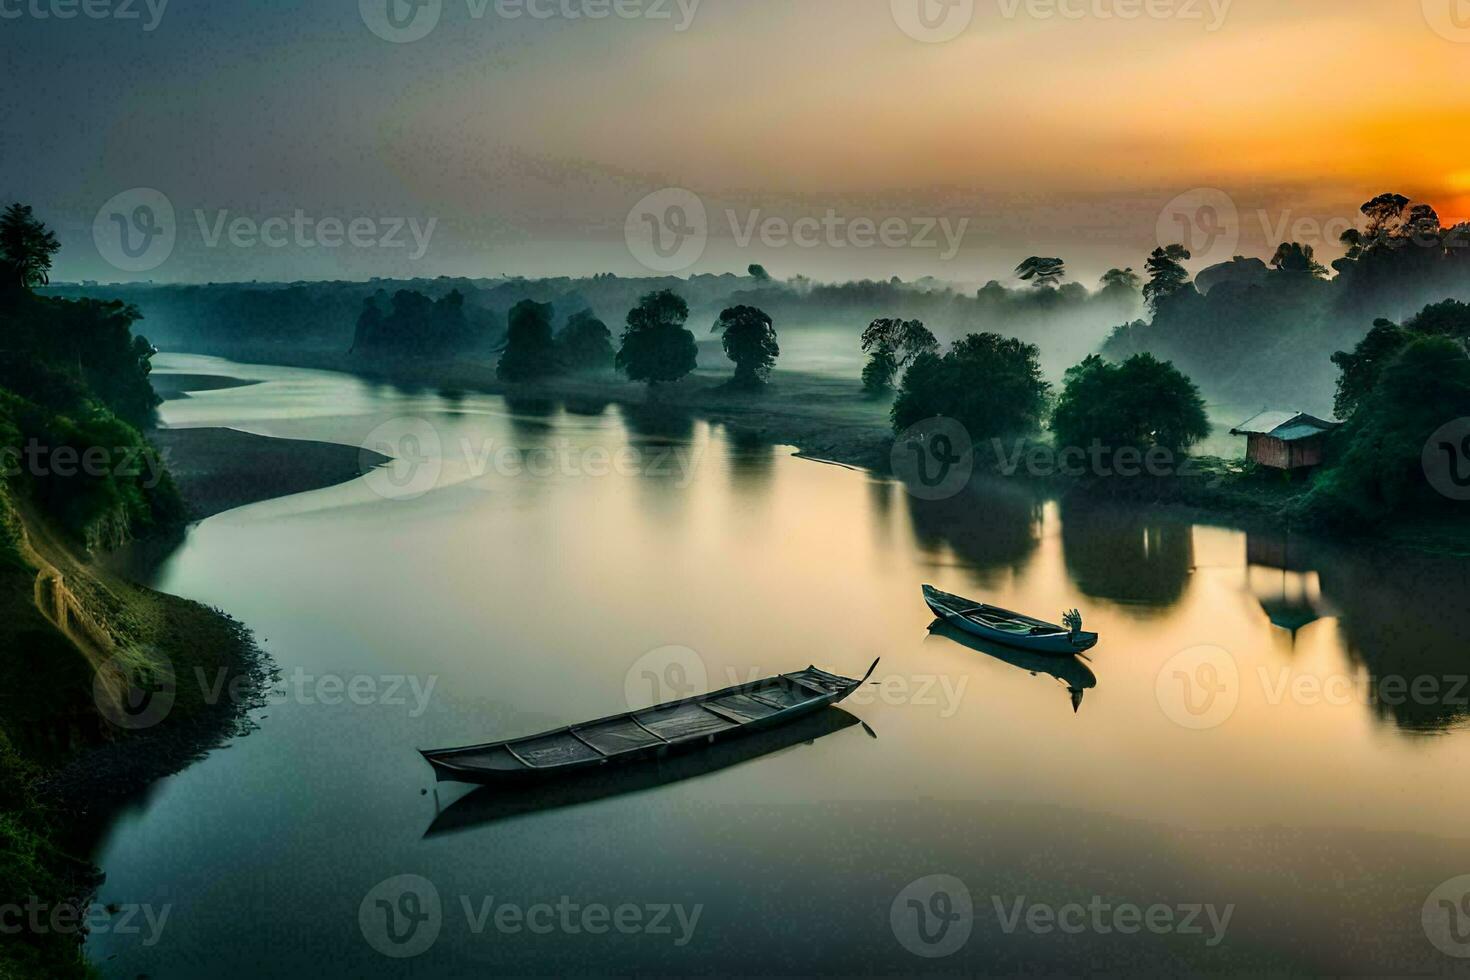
1285,440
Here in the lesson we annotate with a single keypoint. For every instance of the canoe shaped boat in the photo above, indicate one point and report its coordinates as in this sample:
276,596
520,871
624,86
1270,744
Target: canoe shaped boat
1008,627
675,726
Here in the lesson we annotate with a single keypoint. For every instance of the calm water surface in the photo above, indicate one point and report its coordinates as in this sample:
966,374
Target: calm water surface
1238,742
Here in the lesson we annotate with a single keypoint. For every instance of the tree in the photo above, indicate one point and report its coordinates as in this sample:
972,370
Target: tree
750,341
992,385
1166,274
891,346
758,273
585,344
1141,403
1121,279
1042,273
1378,471
26,247
1362,366
1298,259
530,351
1383,213
656,348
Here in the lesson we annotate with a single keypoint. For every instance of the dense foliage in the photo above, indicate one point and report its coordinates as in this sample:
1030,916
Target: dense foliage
1140,403
892,344
585,344
413,325
991,384
530,348
750,341
656,348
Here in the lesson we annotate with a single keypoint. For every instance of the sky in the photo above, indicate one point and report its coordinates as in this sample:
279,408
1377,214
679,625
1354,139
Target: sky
312,139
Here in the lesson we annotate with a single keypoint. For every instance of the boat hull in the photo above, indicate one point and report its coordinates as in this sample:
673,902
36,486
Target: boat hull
511,763
1059,644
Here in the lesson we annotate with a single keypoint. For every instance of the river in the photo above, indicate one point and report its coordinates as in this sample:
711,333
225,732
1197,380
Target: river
1233,781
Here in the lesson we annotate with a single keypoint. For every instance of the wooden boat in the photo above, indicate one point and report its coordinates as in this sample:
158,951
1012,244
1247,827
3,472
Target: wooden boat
664,728
1076,676
488,805
1008,627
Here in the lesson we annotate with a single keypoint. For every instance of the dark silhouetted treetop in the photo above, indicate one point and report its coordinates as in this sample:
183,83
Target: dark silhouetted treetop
1166,274
26,247
530,350
892,345
656,348
1295,258
411,324
1041,272
992,385
758,273
750,341
585,344
1141,403
1121,279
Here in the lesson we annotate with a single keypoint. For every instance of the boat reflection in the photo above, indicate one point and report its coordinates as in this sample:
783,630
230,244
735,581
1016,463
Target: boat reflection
489,804
1071,671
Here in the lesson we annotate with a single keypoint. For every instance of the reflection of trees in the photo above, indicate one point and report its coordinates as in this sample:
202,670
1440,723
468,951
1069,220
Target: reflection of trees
989,525
751,458
587,406
1122,554
1404,620
530,418
661,423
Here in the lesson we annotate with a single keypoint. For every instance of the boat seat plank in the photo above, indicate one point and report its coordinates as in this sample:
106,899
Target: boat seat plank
782,695
739,707
553,750
621,735
684,721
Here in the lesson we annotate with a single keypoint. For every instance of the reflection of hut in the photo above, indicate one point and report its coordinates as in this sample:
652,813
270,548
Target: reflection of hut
1285,440
1287,588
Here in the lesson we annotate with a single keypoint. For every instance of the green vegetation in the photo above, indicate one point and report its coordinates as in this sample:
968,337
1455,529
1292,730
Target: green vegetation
585,344
1141,403
530,350
656,348
991,384
413,325
750,341
892,345
26,247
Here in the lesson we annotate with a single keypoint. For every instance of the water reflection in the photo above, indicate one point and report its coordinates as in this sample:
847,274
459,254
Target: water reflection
1071,671
1281,579
752,459
1125,555
999,532
489,804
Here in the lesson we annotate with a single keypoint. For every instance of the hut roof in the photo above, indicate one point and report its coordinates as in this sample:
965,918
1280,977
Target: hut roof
1286,426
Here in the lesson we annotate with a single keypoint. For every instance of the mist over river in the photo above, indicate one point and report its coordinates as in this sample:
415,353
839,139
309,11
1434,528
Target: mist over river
1261,765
